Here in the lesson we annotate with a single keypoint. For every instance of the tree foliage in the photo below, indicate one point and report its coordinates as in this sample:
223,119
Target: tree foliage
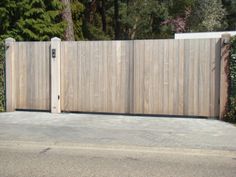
208,16
77,9
230,6
31,19
142,19
113,19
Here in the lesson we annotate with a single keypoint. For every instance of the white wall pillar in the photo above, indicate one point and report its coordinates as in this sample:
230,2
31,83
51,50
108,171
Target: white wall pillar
55,74
10,76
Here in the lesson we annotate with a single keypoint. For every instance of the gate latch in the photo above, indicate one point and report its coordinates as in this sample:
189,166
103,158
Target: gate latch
53,53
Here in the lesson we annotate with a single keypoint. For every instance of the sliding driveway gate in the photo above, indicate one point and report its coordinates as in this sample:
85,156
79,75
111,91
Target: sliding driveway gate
170,77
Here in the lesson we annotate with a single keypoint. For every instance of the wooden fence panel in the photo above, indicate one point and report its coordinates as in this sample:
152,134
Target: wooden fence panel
171,77
95,76
177,77
32,75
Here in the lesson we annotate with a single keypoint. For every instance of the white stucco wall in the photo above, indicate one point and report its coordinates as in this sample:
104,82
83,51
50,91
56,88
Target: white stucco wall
202,35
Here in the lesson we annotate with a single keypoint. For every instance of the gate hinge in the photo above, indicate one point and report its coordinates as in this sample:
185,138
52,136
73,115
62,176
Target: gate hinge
58,97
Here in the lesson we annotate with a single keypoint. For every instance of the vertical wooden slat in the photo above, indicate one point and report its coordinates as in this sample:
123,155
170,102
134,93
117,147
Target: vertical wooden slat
89,74
46,77
212,69
181,76
139,65
161,75
171,58
70,94
207,77
191,79
99,92
136,77
63,71
37,74
130,56
175,100
103,75
18,74
195,77
166,77
41,72
155,80
25,77
146,77
186,76
30,82
201,78
77,75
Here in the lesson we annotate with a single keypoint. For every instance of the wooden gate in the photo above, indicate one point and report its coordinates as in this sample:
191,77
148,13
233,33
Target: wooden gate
170,77
31,72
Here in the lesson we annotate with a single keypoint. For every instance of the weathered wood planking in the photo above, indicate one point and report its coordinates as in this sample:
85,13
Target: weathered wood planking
32,75
172,77
95,76
177,77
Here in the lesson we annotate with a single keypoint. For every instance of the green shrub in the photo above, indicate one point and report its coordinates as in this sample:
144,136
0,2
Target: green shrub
231,114
2,77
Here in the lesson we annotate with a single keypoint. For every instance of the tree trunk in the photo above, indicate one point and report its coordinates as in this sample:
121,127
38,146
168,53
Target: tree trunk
103,13
117,20
67,16
127,14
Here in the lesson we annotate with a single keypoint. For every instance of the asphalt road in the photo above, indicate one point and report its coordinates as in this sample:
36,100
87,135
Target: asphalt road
81,145
74,161
117,130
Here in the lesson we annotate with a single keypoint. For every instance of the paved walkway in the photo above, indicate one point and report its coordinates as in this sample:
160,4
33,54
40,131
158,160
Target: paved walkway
117,130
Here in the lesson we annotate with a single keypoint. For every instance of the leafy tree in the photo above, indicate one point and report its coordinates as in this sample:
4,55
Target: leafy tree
141,19
112,19
92,21
33,20
102,10
208,16
117,19
8,16
77,9
178,16
179,24
230,6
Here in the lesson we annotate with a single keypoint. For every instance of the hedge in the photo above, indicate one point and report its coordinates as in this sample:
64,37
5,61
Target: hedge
2,77
231,114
